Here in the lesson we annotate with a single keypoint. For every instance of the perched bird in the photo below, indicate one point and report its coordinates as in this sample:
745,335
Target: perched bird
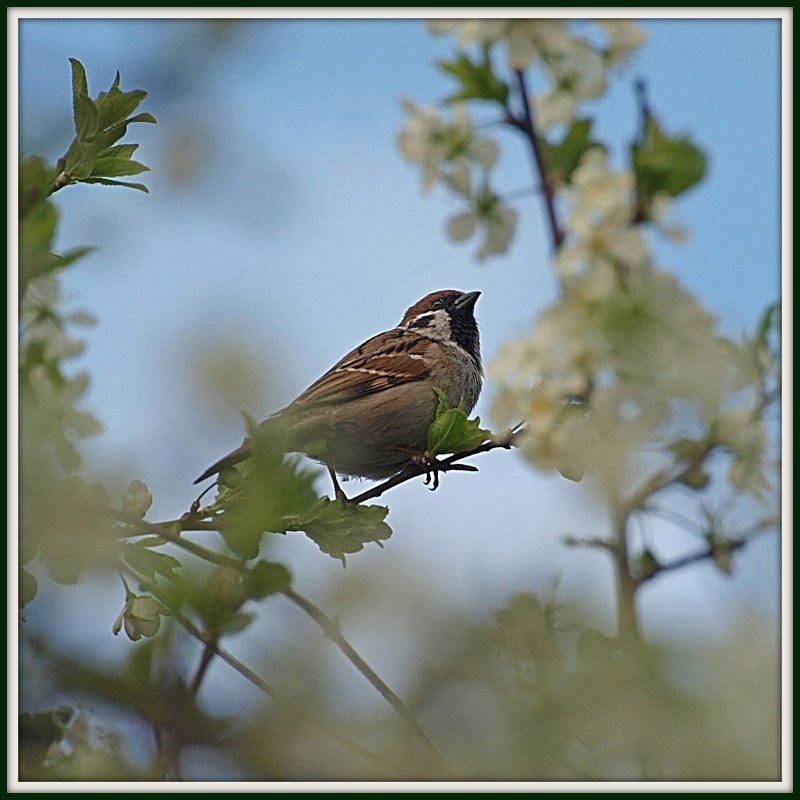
368,415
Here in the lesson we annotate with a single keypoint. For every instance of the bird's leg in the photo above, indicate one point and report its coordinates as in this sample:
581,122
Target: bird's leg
431,467
340,495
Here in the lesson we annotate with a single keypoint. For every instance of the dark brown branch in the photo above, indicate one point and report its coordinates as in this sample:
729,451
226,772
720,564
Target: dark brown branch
164,530
332,631
449,464
248,674
527,126
209,651
729,545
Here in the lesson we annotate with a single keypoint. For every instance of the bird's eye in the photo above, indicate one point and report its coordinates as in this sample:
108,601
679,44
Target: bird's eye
437,304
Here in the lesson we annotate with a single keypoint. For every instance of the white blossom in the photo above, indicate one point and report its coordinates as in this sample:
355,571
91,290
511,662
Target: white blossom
488,213
443,147
624,36
141,616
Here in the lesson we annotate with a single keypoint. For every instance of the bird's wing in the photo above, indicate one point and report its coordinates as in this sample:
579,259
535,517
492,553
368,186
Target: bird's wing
386,360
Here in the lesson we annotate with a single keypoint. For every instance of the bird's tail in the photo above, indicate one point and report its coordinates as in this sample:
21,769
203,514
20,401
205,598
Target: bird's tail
234,457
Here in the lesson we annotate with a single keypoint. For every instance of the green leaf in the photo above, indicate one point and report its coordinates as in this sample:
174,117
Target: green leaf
478,81
148,562
79,84
115,105
266,578
770,319
451,431
236,622
86,118
119,151
340,529
274,490
79,161
143,117
663,164
107,182
562,158
36,232
71,256
115,167
646,564
28,586
34,183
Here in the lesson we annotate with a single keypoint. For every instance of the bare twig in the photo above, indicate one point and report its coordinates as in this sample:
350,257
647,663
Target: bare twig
248,674
451,463
729,545
526,125
332,631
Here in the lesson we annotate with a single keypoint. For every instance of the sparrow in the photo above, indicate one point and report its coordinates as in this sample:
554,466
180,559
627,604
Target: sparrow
368,415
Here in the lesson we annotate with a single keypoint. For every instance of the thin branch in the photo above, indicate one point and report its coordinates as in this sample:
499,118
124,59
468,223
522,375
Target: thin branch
209,651
332,631
729,545
526,125
449,464
248,674
661,479
165,530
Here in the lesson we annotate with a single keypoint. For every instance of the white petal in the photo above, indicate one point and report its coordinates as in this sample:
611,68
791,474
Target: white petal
461,226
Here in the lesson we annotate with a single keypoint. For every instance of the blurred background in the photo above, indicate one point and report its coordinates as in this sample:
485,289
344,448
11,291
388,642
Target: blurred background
281,229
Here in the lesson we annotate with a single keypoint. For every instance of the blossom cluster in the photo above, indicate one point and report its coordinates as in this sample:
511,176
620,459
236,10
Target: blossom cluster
452,153
626,358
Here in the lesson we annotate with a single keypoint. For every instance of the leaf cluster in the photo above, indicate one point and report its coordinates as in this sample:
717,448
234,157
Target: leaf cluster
476,79
94,155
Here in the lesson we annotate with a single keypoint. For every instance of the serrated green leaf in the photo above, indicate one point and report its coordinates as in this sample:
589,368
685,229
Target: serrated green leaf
85,116
107,182
143,117
115,106
118,151
79,84
266,578
451,431
116,167
79,161
148,562
340,529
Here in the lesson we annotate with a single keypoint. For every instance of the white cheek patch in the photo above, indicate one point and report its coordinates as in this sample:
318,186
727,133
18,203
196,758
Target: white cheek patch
438,325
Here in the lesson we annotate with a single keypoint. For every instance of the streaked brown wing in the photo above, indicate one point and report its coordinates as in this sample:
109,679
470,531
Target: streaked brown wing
365,371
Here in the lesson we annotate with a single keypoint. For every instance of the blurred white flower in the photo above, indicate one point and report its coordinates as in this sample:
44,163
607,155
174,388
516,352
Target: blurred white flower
141,616
468,31
529,40
489,213
577,73
742,432
443,148
624,36
137,499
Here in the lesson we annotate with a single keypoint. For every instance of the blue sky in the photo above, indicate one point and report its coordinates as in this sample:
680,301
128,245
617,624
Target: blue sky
298,231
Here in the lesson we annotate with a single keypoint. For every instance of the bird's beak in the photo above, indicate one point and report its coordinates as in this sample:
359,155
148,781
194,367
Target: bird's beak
467,301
